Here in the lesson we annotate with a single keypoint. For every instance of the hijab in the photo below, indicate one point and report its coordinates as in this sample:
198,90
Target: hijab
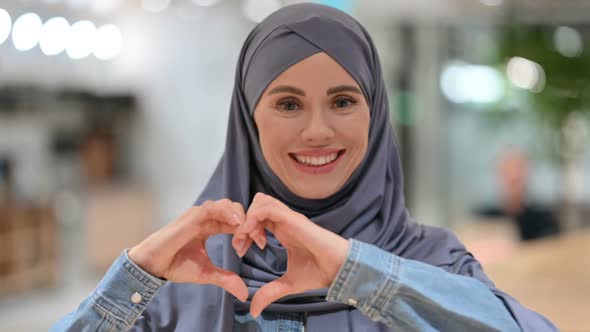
369,207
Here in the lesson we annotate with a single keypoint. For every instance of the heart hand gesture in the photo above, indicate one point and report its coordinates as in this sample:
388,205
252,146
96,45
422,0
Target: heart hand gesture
314,254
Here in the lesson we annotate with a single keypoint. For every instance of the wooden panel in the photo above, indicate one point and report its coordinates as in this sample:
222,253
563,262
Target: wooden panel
117,218
28,248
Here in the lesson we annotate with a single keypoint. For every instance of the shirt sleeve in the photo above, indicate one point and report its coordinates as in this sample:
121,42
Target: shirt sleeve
118,300
408,295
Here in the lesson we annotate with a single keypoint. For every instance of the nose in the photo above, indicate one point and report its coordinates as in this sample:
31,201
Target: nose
318,130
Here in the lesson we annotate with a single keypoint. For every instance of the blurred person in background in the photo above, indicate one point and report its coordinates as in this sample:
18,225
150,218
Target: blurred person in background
532,220
311,175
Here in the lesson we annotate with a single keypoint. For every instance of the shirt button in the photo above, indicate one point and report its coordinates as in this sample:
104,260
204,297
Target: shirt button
136,298
351,301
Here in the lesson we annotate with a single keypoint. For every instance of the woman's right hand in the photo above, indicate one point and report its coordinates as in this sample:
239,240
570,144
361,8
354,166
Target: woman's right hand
177,251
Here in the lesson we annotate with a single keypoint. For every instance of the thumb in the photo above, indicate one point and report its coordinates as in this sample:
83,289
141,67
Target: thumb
269,293
231,282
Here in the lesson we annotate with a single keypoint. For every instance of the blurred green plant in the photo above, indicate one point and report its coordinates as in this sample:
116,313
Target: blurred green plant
560,102
567,78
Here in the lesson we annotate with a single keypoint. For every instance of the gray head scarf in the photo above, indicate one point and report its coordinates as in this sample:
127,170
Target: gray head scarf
370,207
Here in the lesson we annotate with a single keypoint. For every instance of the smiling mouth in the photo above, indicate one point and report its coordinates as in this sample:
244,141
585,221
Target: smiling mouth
317,161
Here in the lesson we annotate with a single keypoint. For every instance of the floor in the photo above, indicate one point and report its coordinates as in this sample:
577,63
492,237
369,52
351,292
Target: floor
37,311
550,276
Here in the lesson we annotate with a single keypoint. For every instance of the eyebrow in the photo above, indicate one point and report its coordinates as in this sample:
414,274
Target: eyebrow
343,88
287,88
330,91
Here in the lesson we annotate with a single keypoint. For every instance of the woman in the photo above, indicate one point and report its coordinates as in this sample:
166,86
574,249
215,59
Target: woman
311,176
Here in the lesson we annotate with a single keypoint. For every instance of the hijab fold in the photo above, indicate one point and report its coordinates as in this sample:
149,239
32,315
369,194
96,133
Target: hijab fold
370,207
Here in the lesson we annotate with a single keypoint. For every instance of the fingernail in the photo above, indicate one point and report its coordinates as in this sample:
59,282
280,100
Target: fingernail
242,247
244,298
257,241
243,252
239,244
236,219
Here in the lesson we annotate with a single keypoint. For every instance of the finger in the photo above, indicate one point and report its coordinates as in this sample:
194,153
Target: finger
241,243
269,293
222,211
238,215
229,281
213,227
256,215
259,236
249,225
180,232
264,213
253,229
241,251
264,199
251,222
262,236
198,221
238,208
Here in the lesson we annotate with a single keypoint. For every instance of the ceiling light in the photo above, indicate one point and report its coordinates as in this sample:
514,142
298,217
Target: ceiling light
26,31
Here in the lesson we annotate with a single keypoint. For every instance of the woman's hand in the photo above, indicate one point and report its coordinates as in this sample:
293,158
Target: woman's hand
314,254
177,252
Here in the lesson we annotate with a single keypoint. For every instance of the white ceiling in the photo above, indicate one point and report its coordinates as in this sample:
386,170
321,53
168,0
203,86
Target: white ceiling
468,10
377,10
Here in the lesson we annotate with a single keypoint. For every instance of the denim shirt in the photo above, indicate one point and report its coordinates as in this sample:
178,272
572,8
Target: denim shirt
404,294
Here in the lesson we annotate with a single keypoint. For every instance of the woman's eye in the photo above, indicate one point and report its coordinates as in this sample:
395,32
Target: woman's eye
344,102
288,106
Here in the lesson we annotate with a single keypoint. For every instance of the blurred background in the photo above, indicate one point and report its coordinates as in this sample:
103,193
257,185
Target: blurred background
113,115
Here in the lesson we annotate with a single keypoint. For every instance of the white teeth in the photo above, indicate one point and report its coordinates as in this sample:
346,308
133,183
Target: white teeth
316,161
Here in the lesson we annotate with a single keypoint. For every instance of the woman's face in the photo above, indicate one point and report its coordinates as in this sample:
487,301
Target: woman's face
313,124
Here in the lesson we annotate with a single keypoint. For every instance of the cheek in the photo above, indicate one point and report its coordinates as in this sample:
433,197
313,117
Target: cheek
269,145
357,131
359,137
361,143
275,136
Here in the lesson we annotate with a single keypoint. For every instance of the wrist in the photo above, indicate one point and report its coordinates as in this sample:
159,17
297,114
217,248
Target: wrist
136,256
340,253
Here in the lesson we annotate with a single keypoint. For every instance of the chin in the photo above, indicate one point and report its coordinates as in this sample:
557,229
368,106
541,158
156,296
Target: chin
319,193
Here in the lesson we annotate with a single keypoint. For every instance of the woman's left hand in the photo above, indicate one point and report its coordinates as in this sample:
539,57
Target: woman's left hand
314,254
